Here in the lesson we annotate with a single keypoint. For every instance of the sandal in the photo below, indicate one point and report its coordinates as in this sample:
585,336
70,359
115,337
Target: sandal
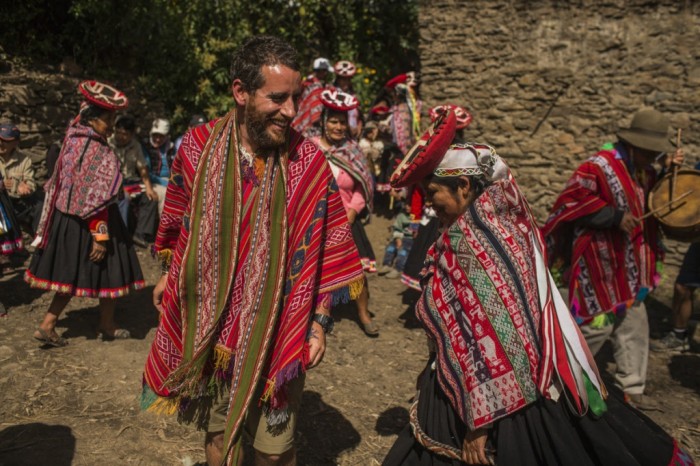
119,334
47,339
370,329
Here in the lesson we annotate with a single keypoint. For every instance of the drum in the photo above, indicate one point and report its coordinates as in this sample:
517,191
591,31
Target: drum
679,220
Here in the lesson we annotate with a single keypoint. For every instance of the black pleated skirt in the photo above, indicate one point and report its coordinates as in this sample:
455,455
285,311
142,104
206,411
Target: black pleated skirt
545,433
64,266
11,239
364,247
426,237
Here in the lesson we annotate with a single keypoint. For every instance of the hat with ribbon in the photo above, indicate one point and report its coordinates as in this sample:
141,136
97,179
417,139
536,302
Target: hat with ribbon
649,131
436,154
426,154
400,79
9,132
103,95
464,118
338,100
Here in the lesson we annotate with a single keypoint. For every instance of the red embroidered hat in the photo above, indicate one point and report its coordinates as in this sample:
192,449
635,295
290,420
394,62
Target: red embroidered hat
345,68
400,79
424,157
380,110
464,118
103,95
338,100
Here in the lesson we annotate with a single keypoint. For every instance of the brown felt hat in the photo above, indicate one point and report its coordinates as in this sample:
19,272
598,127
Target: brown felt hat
649,131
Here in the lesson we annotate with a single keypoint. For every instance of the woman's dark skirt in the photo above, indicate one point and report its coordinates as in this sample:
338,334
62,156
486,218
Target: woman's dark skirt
426,237
11,240
364,247
544,433
64,266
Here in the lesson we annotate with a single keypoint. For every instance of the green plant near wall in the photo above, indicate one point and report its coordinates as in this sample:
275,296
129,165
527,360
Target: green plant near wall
178,51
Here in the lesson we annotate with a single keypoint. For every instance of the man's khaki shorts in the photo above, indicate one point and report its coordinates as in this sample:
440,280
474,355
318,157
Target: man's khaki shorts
255,426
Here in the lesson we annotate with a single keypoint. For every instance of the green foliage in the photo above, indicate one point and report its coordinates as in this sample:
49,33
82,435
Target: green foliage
178,51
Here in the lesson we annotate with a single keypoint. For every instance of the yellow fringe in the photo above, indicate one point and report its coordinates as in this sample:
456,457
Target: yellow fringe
222,358
355,288
163,406
269,390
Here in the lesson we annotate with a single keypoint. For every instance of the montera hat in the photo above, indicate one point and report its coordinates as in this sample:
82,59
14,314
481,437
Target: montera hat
436,154
338,100
103,95
464,118
649,131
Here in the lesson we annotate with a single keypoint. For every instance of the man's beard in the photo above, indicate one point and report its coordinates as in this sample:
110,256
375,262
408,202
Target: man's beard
257,124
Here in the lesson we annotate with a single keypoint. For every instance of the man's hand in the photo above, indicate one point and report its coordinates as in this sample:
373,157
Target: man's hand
99,249
474,447
628,223
352,215
317,344
23,189
676,158
158,293
151,194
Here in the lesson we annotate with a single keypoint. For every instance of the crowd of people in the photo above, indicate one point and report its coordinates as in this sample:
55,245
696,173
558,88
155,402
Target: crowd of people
258,218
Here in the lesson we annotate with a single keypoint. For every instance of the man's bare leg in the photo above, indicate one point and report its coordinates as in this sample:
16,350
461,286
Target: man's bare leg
288,458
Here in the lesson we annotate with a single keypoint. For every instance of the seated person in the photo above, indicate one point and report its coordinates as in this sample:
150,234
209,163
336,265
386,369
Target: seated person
400,245
18,178
138,189
160,152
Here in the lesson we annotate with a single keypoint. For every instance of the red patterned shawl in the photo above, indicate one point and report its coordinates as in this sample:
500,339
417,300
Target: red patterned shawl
606,268
350,158
85,180
310,105
320,259
502,332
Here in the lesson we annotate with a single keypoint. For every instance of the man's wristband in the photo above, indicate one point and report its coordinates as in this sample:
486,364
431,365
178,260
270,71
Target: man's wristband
326,322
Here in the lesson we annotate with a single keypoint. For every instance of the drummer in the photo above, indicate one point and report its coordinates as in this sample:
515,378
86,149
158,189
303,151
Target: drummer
604,255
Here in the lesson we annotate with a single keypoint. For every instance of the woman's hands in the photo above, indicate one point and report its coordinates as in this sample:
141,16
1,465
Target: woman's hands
98,251
474,447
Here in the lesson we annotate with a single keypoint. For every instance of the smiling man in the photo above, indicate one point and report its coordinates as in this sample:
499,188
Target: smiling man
256,248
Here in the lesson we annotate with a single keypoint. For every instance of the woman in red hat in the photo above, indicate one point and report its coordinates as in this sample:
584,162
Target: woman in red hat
510,379
83,247
355,183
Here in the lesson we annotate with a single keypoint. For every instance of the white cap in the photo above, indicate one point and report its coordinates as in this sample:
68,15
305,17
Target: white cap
160,126
322,64
472,159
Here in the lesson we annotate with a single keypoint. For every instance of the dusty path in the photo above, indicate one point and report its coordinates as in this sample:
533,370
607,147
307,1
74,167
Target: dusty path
79,405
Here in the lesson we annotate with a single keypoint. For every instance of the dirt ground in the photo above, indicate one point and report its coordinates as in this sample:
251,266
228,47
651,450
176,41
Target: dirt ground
79,405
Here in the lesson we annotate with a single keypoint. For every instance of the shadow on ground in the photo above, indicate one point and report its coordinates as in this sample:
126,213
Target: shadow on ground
33,444
323,433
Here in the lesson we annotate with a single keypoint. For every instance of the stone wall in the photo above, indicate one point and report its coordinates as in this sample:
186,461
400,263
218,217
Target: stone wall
548,81
41,103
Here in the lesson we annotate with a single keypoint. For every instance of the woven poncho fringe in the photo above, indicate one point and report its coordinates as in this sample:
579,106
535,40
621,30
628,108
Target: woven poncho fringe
307,252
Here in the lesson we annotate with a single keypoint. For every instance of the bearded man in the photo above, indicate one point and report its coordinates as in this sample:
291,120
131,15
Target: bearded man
256,248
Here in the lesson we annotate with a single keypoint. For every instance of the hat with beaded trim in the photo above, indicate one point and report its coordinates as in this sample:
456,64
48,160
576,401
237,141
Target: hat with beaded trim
427,153
345,68
103,95
464,118
335,99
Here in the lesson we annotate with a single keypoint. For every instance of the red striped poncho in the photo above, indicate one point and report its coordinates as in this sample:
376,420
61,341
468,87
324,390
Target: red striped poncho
321,262
502,333
607,270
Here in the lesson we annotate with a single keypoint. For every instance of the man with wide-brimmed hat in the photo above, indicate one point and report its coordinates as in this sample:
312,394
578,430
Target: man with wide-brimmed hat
605,254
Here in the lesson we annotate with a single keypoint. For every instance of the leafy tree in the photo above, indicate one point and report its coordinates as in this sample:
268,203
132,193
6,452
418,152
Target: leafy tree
178,51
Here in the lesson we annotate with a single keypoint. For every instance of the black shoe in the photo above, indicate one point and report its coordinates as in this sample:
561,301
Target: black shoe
140,242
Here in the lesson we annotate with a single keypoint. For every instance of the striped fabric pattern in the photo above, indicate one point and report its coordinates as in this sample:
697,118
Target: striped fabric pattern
320,260
607,268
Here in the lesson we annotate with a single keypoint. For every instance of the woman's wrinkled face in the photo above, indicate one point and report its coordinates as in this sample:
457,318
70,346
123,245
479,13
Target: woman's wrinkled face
336,129
448,204
104,124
